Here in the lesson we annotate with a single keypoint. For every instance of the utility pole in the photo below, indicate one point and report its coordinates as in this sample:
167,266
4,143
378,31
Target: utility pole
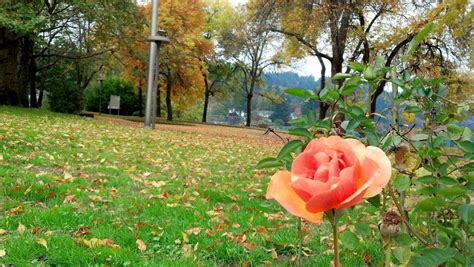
153,68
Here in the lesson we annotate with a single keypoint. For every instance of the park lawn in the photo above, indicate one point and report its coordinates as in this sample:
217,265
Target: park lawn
81,191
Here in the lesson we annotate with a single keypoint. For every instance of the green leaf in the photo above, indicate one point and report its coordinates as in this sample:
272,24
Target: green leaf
412,109
323,94
300,132
289,147
269,163
303,93
466,146
418,38
447,180
348,89
349,240
401,183
375,201
432,257
453,191
431,204
426,179
312,120
466,134
402,254
341,76
466,211
372,137
356,66
419,137
363,228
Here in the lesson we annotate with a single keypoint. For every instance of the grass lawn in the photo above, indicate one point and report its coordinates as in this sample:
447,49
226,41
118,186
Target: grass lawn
81,191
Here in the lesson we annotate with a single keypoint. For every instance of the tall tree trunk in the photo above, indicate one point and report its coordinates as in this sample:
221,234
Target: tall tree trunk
140,100
207,93
169,108
323,107
8,68
33,69
24,70
249,109
158,102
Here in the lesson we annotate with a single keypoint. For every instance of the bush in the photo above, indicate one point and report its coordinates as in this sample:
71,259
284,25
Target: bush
67,99
129,100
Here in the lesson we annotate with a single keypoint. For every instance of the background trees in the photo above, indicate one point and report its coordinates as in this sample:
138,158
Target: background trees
225,50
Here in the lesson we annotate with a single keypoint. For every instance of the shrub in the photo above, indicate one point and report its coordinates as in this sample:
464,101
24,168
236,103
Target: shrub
129,100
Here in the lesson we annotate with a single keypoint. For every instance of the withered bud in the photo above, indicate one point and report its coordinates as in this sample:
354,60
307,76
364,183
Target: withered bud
390,225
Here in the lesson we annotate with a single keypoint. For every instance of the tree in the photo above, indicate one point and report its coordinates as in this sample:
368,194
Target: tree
281,111
245,37
37,34
360,30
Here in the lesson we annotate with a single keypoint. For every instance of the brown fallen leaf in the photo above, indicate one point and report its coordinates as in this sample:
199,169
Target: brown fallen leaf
21,228
141,245
48,233
42,242
194,230
274,254
3,231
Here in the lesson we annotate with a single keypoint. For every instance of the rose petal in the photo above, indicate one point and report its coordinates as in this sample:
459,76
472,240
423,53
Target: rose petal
317,145
322,173
356,197
307,188
357,147
334,167
381,175
280,190
341,145
338,192
304,166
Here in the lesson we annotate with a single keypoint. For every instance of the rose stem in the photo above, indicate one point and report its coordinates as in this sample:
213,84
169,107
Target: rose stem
335,238
300,242
388,253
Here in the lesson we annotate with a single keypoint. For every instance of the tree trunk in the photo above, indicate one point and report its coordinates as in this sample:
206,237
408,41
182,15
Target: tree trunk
206,97
8,68
158,102
206,105
249,110
24,70
140,100
169,108
33,69
323,107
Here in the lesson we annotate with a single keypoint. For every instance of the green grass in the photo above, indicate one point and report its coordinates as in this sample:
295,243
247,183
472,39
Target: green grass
60,173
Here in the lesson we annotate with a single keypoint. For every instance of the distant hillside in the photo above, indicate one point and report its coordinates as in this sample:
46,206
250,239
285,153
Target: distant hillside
290,79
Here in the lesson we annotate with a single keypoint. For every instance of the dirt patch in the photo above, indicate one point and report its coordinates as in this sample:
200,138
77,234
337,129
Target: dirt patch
208,129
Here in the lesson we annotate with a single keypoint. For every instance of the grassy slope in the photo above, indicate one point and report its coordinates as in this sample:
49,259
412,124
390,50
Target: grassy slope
61,174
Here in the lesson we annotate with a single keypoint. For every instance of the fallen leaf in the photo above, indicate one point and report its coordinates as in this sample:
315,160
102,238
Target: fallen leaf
2,253
185,238
21,228
3,231
48,233
187,250
194,230
35,230
141,245
274,254
42,242
27,190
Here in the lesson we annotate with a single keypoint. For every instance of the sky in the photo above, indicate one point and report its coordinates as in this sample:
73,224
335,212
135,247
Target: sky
307,66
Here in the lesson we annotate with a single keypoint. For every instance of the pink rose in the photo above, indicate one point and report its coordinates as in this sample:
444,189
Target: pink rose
331,173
